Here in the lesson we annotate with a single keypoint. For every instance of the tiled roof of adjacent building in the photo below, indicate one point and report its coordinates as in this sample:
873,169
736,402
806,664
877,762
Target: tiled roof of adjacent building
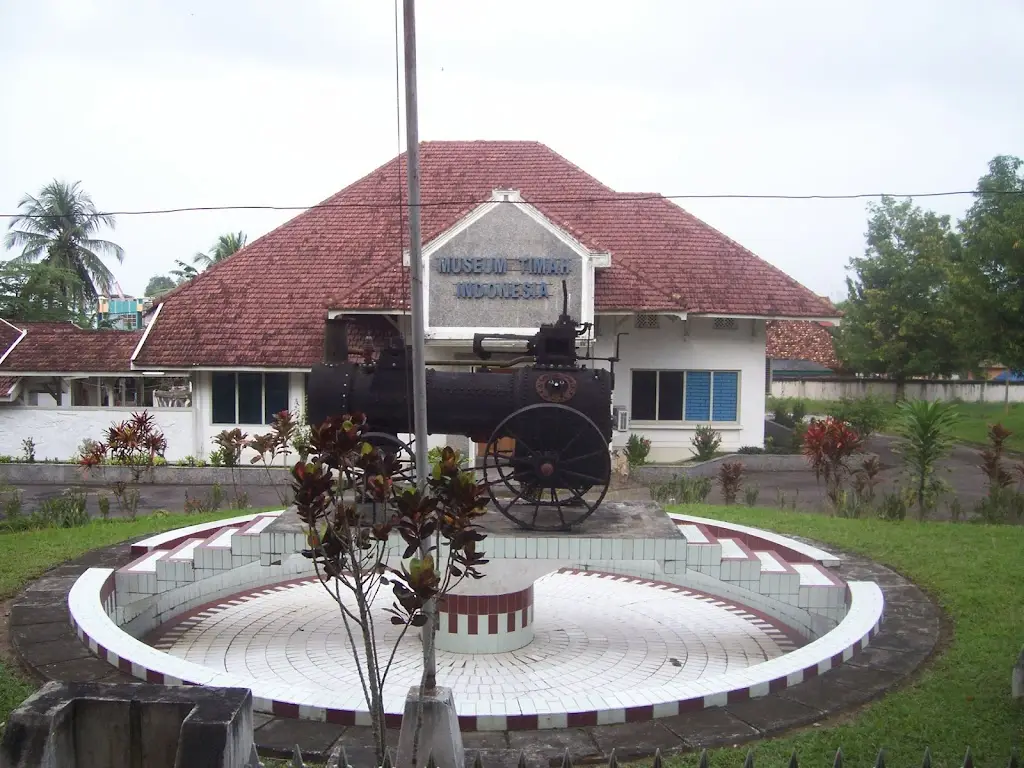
801,340
9,334
266,305
68,348
7,384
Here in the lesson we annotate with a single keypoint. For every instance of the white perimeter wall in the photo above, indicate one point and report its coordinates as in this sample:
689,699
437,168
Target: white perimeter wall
831,389
58,432
694,345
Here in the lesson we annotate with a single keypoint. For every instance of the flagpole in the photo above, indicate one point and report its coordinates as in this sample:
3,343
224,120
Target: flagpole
419,371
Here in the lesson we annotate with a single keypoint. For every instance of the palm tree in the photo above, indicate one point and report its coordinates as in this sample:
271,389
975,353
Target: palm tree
225,246
58,227
184,272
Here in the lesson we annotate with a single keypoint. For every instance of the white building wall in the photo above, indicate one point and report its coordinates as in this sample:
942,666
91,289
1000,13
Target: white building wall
58,432
691,345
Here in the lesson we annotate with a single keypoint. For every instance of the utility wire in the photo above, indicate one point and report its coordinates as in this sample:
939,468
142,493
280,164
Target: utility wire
622,198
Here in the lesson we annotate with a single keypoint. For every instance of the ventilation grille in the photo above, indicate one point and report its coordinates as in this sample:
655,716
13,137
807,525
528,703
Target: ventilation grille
646,321
620,416
725,323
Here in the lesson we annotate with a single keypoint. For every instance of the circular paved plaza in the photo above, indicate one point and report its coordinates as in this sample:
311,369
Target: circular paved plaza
595,635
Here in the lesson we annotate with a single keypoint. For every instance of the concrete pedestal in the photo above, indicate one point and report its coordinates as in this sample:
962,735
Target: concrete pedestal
430,726
495,614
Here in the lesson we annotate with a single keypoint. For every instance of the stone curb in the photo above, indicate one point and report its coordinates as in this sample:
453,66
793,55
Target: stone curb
44,640
73,474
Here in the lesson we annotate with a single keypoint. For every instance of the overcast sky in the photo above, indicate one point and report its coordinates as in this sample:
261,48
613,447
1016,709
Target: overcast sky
168,103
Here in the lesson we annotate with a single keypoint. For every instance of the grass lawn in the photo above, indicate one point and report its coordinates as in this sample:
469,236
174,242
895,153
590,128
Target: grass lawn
975,419
975,571
25,555
977,574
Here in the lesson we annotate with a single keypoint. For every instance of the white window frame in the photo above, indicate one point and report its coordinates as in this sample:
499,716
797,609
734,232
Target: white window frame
263,397
656,422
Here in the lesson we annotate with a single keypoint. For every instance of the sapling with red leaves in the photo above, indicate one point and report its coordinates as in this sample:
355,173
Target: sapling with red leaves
829,444
363,523
135,444
996,473
730,478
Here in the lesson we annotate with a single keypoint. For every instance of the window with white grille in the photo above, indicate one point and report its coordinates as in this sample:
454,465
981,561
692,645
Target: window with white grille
725,323
646,321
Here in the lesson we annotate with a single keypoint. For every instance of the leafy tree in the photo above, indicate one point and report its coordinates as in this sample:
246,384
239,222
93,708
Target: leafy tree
58,227
991,278
900,318
159,284
37,292
226,245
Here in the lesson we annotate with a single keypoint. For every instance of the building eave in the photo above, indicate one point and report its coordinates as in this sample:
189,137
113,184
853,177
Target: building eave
835,321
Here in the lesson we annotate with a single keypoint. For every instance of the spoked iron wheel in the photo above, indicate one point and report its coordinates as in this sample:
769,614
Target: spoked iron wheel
556,458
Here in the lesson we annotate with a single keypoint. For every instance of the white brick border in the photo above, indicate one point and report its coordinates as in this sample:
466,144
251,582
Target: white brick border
90,600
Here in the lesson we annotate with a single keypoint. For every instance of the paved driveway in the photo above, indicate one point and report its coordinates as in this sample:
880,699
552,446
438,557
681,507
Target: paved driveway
961,470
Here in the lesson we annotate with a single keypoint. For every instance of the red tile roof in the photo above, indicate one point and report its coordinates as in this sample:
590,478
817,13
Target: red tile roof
9,333
67,348
7,385
266,304
798,340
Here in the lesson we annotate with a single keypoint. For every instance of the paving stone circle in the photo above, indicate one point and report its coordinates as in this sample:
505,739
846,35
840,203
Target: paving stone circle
596,635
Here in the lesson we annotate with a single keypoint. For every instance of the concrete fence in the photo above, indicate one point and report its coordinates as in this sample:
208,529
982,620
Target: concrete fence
838,388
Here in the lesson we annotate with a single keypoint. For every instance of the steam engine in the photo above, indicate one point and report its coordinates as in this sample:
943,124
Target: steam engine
545,417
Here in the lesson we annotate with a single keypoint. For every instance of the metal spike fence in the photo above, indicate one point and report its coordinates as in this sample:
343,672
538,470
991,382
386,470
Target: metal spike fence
338,759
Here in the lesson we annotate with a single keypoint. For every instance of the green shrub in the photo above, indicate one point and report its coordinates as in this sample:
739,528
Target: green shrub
65,511
28,449
925,432
5,459
705,442
787,412
798,411
750,494
210,503
751,450
301,442
682,490
1001,505
866,415
894,506
230,443
637,450
10,502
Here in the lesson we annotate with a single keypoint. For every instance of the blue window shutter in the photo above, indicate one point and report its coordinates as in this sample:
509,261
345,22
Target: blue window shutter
726,395
698,395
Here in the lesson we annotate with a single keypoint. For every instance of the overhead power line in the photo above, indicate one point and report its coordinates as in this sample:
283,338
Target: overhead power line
622,198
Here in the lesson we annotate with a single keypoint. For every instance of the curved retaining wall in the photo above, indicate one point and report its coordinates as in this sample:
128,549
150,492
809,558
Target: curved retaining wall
110,627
